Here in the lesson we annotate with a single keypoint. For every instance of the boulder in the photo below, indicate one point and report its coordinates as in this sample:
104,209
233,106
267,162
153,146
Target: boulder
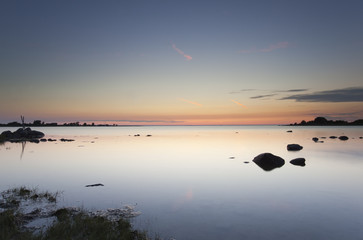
294,147
268,161
298,162
343,138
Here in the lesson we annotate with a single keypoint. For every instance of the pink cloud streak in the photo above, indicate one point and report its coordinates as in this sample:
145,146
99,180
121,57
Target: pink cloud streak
187,57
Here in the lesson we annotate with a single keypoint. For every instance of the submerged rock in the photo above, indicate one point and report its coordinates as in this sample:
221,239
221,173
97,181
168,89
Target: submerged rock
294,147
268,161
298,162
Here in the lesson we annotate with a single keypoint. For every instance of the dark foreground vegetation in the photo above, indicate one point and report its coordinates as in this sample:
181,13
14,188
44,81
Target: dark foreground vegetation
67,223
321,121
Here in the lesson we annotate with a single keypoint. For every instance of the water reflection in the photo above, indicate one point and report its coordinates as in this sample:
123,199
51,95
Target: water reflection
187,186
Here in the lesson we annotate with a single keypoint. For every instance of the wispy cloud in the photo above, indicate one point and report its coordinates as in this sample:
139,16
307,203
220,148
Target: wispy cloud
263,96
187,57
270,48
238,103
242,90
194,103
293,90
275,46
354,94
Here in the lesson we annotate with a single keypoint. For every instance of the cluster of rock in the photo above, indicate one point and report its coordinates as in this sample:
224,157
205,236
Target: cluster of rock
268,161
28,135
22,134
342,138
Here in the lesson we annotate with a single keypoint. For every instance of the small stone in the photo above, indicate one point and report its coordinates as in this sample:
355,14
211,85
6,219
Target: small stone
294,147
298,162
95,185
315,139
333,137
343,138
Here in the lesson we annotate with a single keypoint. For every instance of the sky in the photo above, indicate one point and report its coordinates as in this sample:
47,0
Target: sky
181,62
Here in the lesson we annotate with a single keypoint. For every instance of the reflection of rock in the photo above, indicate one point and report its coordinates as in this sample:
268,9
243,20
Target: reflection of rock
294,147
268,161
298,162
22,134
343,138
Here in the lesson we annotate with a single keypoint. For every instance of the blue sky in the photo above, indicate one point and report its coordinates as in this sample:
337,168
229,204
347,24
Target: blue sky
139,60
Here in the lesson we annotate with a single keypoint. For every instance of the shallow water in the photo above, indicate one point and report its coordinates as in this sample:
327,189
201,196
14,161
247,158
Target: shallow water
193,182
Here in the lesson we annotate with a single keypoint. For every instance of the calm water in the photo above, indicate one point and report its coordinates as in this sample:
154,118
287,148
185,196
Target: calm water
193,182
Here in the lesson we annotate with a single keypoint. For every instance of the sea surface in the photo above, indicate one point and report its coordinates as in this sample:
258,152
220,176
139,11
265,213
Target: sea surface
199,182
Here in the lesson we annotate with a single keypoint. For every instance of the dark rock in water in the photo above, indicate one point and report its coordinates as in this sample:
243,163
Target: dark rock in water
298,162
323,137
34,141
149,135
137,135
51,140
43,140
315,139
95,185
333,137
343,138
66,140
360,137
22,134
268,161
231,157
289,131
246,162
294,147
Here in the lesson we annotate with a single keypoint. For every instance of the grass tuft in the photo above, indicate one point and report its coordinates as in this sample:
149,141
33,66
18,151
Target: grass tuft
70,224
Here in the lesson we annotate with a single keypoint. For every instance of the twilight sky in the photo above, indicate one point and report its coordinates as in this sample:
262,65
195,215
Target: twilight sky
181,62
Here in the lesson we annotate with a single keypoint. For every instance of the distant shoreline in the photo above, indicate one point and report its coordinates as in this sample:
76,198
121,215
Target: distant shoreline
322,121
